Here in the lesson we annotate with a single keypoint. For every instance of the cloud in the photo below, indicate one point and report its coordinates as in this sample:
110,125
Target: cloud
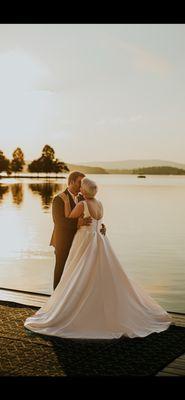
19,71
119,120
135,118
24,109
143,59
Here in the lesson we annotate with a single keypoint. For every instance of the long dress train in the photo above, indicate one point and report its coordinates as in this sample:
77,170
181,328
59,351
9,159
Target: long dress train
95,298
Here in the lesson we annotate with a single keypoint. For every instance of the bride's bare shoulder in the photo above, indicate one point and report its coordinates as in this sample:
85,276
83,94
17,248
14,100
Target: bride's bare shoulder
99,203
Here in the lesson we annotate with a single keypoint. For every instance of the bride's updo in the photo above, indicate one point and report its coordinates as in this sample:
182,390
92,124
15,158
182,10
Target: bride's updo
89,187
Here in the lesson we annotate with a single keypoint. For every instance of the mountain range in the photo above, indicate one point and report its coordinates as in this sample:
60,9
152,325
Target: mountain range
117,167
130,164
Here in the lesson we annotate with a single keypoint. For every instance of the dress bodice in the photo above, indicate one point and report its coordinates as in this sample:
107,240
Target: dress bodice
95,226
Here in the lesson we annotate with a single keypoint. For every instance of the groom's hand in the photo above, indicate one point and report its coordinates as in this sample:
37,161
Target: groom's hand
84,221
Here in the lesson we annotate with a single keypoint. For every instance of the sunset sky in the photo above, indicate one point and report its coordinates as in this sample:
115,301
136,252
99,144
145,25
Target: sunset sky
94,92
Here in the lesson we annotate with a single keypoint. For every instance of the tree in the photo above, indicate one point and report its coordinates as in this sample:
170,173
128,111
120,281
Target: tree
47,162
48,152
17,162
34,166
59,166
4,163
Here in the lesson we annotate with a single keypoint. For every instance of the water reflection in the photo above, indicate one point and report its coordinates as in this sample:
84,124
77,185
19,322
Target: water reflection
144,225
46,190
3,189
17,193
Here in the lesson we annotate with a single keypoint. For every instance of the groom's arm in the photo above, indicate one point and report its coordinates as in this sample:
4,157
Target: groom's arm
59,218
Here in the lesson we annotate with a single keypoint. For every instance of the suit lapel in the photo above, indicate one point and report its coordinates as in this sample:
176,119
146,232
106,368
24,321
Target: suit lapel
72,203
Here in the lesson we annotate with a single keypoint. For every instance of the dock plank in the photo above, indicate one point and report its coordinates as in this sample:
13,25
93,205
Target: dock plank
168,375
175,368
29,299
175,371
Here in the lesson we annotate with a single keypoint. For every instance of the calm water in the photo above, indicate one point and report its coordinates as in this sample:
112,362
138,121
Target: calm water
145,220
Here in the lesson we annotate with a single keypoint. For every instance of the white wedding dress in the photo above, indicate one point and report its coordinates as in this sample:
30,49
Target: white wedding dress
95,298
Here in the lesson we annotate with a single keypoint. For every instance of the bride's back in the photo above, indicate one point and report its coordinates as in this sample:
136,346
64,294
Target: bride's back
95,208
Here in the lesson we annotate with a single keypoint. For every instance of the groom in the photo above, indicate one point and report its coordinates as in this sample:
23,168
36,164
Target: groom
65,228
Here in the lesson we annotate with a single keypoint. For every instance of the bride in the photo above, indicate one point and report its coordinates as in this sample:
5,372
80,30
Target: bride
95,298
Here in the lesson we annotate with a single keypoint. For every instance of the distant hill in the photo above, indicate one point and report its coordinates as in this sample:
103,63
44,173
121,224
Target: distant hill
82,168
156,167
86,169
130,164
159,171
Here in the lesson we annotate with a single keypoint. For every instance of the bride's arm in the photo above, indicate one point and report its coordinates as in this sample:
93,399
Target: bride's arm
77,211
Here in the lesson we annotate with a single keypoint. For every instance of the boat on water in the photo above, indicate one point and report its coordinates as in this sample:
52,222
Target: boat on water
141,176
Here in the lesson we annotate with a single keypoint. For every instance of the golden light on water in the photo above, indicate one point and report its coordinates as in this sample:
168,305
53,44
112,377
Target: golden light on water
144,230
15,234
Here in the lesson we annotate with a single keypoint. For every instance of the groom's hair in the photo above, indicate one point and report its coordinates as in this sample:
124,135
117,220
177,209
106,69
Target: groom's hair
74,175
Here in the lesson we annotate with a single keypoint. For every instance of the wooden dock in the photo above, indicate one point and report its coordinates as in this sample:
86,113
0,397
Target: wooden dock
21,297
175,368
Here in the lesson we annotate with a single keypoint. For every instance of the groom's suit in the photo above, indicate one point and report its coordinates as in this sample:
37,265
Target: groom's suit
63,233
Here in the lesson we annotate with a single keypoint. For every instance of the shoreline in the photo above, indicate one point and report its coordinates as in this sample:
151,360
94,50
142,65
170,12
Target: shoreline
31,177
87,173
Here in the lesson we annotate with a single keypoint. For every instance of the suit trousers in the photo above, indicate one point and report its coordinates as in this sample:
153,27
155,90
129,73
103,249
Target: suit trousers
61,254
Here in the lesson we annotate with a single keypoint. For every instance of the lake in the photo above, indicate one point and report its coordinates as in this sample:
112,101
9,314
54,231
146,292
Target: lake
145,220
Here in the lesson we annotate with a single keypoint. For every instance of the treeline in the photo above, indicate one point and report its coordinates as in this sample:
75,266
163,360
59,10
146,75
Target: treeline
163,170
159,171
45,163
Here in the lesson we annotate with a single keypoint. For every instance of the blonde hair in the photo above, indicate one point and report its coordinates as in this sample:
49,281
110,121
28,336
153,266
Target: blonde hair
89,186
